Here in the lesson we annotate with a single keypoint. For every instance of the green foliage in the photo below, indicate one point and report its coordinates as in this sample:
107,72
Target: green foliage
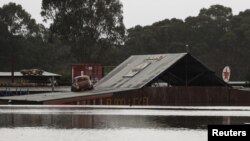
215,36
85,24
25,43
17,20
92,31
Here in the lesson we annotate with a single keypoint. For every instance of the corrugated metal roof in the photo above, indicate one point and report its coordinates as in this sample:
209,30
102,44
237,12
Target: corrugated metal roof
8,74
58,95
117,79
134,73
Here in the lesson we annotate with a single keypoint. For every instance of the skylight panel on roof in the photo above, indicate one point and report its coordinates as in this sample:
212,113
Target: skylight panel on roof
137,69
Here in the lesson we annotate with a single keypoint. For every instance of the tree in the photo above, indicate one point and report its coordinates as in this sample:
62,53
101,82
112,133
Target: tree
216,12
18,21
85,23
21,39
4,44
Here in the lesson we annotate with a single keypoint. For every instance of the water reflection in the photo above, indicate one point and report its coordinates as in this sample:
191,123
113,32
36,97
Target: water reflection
78,123
124,134
114,121
97,118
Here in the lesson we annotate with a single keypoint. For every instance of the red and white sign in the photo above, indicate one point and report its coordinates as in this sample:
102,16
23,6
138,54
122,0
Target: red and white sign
226,73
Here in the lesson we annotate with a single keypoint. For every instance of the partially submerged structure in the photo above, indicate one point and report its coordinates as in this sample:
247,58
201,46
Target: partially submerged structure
139,71
163,79
33,77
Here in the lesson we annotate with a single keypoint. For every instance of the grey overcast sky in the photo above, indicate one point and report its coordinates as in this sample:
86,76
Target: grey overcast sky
146,12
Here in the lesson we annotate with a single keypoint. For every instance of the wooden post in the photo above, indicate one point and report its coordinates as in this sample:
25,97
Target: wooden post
53,84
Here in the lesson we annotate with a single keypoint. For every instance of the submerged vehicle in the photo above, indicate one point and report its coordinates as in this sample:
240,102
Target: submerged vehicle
81,83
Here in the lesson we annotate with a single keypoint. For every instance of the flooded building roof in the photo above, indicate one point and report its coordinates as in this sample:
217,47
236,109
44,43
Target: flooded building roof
19,74
177,69
138,71
39,98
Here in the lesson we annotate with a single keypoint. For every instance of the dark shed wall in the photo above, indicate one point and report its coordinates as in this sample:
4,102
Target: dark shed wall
177,96
162,96
240,98
3,102
184,96
166,96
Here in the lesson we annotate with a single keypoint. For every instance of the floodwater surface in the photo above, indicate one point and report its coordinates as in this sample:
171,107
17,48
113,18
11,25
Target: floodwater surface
116,123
